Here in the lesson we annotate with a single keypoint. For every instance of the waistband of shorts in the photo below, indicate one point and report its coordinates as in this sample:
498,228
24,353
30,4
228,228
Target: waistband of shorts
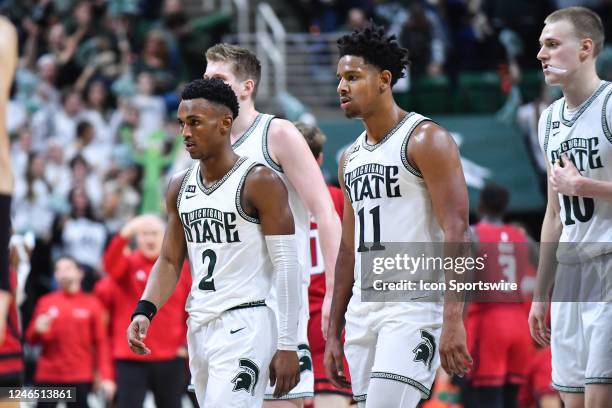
257,303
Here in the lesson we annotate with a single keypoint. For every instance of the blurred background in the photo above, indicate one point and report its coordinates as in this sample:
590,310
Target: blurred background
92,110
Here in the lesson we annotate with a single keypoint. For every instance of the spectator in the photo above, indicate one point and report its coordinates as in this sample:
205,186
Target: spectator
81,236
83,177
57,172
155,59
163,370
121,199
418,35
32,194
68,325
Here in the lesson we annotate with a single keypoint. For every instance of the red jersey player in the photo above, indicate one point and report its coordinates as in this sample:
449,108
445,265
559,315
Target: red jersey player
326,394
68,325
497,330
162,371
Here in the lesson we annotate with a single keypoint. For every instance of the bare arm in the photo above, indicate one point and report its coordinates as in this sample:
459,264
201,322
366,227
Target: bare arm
343,289
549,240
289,149
266,194
167,269
8,56
436,155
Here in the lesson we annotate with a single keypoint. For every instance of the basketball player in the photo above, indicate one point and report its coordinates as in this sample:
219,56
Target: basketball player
575,137
232,219
327,395
8,56
497,332
278,144
402,177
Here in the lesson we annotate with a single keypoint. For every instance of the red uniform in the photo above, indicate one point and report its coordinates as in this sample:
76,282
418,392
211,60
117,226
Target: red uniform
316,293
129,273
498,332
538,382
11,359
76,343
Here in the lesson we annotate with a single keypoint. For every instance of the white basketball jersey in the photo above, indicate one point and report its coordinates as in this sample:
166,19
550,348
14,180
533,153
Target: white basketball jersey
586,138
254,144
389,196
229,260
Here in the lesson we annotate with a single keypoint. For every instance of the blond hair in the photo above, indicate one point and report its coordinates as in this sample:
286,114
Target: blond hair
244,63
586,23
314,137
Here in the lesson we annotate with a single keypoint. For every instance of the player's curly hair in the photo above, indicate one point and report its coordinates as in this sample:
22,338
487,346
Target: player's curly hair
214,90
376,48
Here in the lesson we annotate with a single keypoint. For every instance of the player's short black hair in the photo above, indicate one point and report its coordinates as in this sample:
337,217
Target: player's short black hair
376,48
493,199
214,90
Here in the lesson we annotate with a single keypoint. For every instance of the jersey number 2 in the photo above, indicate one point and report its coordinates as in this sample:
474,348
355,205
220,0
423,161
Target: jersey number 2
207,282
573,209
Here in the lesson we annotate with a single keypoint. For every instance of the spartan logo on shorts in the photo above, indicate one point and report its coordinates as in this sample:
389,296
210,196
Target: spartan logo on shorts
247,378
305,358
425,350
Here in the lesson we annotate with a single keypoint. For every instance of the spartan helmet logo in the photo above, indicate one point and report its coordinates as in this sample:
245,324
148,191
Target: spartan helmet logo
305,358
247,378
425,350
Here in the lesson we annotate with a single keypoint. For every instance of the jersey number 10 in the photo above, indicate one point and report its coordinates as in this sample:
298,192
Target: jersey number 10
573,209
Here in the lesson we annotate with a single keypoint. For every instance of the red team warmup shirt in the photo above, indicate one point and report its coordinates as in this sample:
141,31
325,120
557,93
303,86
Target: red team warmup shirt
128,273
11,362
316,293
76,344
498,332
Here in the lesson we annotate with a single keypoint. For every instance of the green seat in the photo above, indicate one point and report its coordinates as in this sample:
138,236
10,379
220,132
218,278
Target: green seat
479,92
432,95
531,84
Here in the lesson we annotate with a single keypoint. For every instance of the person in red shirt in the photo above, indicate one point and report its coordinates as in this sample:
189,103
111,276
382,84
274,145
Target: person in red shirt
68,325
162,371
326,394
11,356
497,331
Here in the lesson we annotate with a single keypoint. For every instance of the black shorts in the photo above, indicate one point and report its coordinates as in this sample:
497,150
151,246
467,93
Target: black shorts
5,235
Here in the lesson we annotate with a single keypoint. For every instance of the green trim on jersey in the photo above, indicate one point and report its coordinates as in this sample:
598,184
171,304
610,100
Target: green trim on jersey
248,132
241,211
604,118
266,153
183,185
585,106
217,184
372,147
404,151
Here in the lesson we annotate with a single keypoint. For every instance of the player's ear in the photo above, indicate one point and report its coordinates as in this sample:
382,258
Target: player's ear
226,122
249,86
385,80
587,47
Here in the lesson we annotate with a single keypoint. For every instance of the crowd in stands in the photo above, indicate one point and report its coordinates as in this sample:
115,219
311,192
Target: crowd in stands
91,112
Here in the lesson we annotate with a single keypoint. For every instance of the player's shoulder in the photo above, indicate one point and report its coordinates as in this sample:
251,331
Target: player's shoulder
429,131
283,131
176,180
259,176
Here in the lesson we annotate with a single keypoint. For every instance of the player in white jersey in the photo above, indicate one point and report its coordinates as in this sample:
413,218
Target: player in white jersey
576,140
403,182
232,219
280,146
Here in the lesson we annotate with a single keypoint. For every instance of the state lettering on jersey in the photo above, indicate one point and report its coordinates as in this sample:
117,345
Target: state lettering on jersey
372,181
582,152
209,225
